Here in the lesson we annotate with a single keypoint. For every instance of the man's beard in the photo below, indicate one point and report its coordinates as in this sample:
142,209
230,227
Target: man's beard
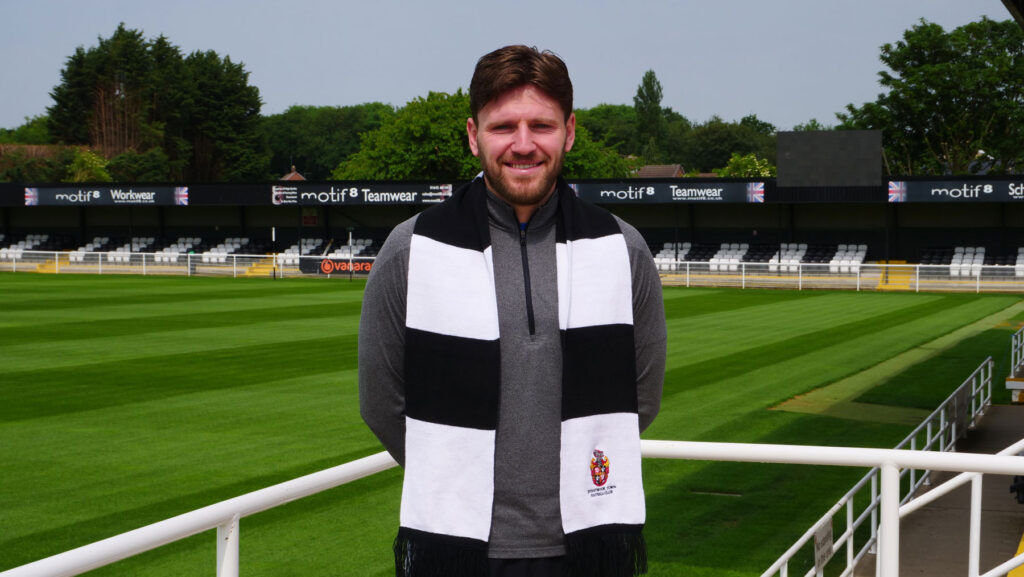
523,192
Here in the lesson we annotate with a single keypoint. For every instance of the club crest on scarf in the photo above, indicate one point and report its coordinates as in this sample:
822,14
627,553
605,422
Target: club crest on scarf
599,468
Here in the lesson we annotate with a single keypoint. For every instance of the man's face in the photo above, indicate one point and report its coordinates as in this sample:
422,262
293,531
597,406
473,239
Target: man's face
521,138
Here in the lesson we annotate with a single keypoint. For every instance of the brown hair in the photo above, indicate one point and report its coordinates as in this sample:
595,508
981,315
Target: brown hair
514,66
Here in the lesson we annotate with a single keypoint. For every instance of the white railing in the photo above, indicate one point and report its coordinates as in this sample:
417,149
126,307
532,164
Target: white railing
280,265
862,277
1016,353
939,432
858,277
225,516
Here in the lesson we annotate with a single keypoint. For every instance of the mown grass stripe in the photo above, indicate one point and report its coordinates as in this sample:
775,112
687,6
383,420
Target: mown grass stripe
157,346
699,374
135,325
211,302
699,337
125,380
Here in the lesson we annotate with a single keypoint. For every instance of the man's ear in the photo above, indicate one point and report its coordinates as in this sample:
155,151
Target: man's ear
471,135
570,132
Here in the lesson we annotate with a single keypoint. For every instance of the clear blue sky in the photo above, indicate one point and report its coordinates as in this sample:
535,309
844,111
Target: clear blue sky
786,61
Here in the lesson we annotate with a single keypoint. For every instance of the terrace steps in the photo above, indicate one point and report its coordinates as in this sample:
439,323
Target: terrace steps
261,268
896,278
52,266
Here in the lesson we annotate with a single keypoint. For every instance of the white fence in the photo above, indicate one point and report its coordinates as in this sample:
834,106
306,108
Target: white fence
858,277
181,264
939,432
1016,352
225,516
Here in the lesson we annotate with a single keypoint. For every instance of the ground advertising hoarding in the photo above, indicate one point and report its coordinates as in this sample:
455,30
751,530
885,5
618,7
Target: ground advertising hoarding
140,195
1003,189
370,193
663,192
968,189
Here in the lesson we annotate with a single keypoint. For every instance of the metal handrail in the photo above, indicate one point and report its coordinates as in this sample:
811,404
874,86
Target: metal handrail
940,431
225,516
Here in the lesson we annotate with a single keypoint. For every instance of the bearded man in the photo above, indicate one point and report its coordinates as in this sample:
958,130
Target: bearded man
509,335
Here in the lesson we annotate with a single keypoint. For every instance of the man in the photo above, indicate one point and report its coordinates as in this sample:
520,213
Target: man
511,350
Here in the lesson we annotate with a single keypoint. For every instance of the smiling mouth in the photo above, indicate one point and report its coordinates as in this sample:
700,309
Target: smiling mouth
520,166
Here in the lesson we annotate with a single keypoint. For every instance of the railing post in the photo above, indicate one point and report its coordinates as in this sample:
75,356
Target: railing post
889,550
874,514
850,547
917,278
913,476
974,557
927,475
227,549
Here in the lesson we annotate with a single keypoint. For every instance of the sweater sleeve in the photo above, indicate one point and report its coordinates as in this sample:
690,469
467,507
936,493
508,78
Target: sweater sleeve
649,329
382,343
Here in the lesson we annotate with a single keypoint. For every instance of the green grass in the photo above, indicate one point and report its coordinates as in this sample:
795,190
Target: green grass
128,400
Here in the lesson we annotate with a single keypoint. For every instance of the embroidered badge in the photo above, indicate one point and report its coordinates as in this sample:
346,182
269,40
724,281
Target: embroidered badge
599,468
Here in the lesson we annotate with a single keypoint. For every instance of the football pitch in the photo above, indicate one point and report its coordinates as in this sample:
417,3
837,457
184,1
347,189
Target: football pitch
128,400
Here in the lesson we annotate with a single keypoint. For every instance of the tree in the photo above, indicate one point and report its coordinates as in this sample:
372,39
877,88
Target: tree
87,166
713,143
316,139
33,131
591,159
952,96
746,166
649,116
811,125
425,139
615,125
147,108
223,126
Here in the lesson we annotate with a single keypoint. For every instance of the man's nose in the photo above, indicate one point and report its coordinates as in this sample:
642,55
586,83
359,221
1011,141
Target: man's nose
522,141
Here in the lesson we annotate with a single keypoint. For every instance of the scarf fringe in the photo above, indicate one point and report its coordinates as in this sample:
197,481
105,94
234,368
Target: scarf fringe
422,555
606,551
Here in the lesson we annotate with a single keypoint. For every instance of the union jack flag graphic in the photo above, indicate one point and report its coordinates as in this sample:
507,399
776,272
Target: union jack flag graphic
181,195
755,192
31,196
897,191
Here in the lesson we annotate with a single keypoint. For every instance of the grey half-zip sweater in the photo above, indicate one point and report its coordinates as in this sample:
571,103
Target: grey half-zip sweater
526,520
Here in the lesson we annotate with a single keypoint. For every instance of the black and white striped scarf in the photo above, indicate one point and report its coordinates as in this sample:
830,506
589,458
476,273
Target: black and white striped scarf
452,380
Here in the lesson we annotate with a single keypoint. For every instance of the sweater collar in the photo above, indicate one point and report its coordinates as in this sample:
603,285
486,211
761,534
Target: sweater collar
503,216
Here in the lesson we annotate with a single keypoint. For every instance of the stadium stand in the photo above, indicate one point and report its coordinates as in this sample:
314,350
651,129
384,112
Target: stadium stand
847,258
31,242
220,252
171,253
